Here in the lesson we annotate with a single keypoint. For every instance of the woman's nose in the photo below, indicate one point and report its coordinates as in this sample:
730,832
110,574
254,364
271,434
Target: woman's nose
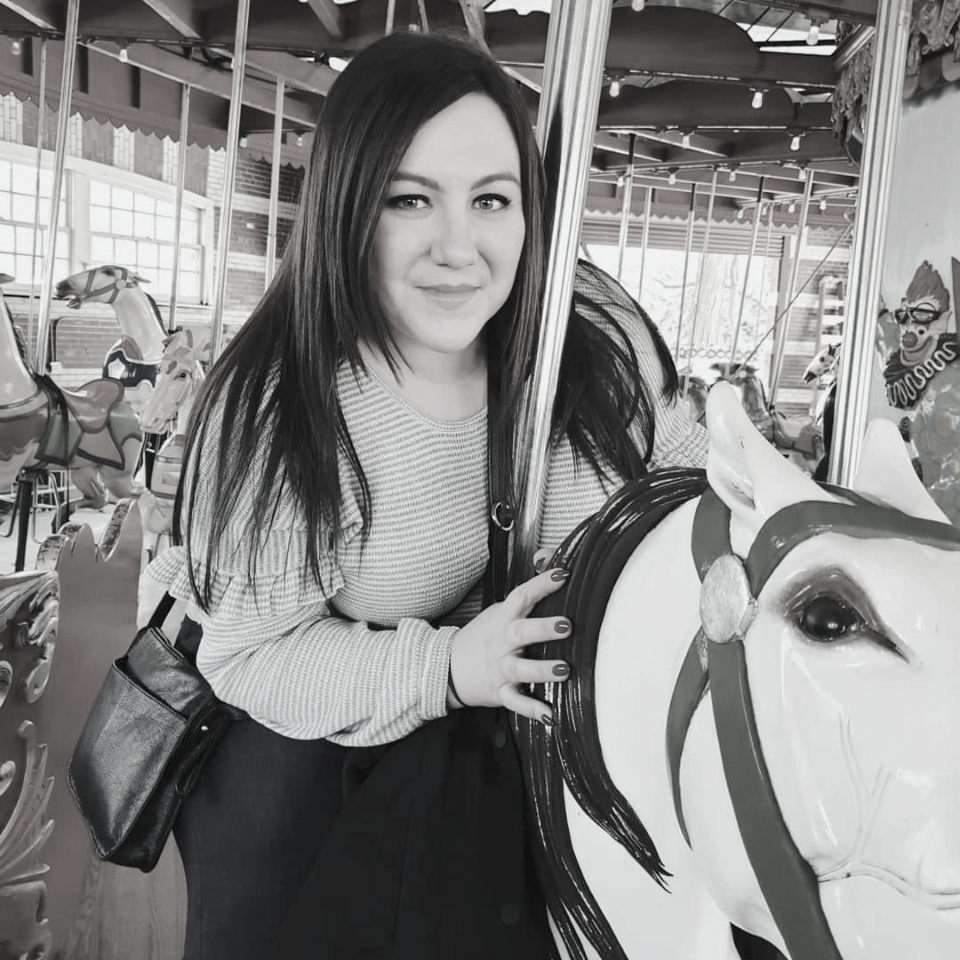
455,243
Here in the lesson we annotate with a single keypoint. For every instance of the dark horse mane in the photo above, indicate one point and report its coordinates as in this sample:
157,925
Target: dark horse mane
571,754
156,311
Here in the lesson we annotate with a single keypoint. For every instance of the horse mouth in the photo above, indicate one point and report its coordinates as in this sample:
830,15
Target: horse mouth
942,900
63,293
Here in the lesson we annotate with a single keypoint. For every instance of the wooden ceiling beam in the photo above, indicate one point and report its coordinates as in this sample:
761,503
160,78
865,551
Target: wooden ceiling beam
43,14
256,93
182,15
329,15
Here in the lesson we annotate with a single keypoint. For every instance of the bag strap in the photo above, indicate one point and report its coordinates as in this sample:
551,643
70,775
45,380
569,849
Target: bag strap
162,611
501,511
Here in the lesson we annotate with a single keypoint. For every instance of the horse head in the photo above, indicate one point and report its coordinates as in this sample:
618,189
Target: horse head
824,361
103,284
178,380
833,660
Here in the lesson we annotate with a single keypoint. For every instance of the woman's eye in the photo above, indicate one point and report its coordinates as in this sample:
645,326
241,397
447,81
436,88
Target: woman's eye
407,202
492,202
825,619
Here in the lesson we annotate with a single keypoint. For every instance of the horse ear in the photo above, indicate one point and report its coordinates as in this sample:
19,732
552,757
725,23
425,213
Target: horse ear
138,278
746,472
885,473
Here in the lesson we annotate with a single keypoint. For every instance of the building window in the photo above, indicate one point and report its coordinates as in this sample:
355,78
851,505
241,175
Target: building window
17,216
137,231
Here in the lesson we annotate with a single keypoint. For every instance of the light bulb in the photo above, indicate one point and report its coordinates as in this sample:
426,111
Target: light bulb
614,88
733,176
16,48
740,214
795,142
123,55
685,141
792,208
802,173
621,180
637,5
813,37
243,142
757,101
823,205
299,139
672,178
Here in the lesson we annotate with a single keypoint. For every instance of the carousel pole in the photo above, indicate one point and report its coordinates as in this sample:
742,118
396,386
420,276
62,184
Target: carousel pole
781,338
763,276
746,272
644,238
881,125
178,206
41,122
625,214
63,131
696,299
688,248
271,267
229,175
573,77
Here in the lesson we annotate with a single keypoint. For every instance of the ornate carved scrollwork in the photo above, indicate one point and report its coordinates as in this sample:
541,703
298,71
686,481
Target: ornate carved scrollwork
29,605
23,930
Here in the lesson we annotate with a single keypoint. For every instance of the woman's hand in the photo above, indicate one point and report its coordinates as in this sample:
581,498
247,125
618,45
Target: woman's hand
487,665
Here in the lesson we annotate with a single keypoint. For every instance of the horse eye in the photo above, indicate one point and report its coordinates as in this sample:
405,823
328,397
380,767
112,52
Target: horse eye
825,619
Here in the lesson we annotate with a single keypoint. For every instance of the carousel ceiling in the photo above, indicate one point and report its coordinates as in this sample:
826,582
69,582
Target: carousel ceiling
736,92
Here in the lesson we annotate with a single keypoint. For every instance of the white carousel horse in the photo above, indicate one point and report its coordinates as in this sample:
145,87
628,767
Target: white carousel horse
763,670
169,406
824,368
134,358
90,431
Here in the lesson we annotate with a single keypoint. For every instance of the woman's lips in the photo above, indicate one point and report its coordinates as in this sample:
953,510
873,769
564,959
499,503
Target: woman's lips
449,295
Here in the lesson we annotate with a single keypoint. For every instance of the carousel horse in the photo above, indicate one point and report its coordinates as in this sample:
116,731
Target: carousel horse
134,358
90,431
824,368
168,409
749,735
693,390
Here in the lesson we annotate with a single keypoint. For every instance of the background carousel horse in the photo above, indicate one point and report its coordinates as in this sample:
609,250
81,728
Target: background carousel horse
90,431
748,736
178,383
824,368
134,359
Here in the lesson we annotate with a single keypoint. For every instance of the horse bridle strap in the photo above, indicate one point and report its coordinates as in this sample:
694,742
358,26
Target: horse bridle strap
122,284
717,659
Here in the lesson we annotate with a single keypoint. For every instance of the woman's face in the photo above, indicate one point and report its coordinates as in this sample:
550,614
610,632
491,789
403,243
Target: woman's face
451,231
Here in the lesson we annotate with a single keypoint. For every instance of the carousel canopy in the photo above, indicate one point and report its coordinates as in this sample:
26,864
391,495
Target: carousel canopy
742,92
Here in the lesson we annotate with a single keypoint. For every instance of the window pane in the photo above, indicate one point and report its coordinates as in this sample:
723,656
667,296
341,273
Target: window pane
46,178
7,237
4,175
189,232
101,249
125,252
143,225
23,209
100,219
166,257
24,241
190,259
99,193
5,206
189,285
165,209
122,223
122,199
147,257
164,229
144,203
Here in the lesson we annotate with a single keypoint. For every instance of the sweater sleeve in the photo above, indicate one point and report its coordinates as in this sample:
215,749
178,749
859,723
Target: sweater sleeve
273,645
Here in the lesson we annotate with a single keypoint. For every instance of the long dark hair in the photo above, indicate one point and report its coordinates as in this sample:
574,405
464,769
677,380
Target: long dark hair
279,372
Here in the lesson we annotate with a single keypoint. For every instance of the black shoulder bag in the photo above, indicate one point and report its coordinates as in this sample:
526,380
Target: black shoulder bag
152,726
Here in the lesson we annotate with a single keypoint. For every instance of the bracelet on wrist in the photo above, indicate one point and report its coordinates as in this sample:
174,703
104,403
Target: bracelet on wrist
451,686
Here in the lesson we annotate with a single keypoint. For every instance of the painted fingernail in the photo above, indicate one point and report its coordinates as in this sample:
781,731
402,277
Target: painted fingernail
547,720
539,564
559,574
561,670
562,625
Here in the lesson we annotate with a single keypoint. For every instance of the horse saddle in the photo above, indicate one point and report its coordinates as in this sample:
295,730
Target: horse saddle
92,403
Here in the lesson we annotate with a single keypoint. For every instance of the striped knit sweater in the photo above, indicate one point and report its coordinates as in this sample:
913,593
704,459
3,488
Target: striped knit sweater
273,648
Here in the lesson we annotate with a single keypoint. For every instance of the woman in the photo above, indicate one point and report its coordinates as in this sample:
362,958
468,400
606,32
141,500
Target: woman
335,515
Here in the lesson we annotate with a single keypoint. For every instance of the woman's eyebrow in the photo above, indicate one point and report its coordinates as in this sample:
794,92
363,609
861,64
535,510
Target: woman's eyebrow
433,185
